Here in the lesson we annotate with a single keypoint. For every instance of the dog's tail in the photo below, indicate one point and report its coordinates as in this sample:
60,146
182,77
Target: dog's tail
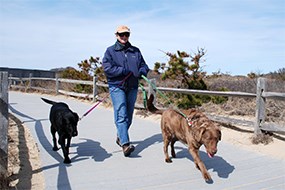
150,107
48,101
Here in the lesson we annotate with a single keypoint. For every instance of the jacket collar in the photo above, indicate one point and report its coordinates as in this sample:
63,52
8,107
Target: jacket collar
126,47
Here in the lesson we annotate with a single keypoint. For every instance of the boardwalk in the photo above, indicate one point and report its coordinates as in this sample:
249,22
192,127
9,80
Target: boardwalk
98,163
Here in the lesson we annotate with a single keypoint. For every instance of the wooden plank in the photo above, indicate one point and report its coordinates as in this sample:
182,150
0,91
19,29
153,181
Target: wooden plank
274,95
260,102
269,126
76,81
206,92
3,122
266,126
75,94
260,105
231,121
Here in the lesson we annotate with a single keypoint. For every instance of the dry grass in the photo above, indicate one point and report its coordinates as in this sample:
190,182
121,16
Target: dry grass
262,139
24,170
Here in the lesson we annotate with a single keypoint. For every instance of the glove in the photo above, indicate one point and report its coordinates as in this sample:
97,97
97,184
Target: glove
142,73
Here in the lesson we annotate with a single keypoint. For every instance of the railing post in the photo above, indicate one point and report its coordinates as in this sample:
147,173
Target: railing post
152,90
10,81
3,123
56,83
260,105
30,80
95,88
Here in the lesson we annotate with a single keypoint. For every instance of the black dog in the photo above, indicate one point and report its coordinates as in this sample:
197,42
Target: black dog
64,122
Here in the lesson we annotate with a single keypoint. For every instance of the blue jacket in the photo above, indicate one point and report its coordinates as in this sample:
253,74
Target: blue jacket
119,60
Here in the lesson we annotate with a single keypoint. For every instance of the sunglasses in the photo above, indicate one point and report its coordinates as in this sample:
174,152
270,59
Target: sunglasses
127,34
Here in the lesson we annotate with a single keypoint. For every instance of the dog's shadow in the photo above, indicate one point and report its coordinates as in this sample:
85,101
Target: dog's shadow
141,145
217,163
89,149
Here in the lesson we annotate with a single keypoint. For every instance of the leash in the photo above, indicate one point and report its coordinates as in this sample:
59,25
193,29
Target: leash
93,107
144,95
189,122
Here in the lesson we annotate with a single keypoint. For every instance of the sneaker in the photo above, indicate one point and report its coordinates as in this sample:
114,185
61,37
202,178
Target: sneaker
118,142
128,149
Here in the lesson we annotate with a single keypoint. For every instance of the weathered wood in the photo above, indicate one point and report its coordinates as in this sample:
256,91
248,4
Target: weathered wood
206,92
274,95
3,122
266,126
260,96
56,84
231,121
9,80
260,105
273,127
95,88
76,81
30,80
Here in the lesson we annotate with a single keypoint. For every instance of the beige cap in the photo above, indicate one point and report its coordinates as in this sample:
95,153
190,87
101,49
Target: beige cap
122,29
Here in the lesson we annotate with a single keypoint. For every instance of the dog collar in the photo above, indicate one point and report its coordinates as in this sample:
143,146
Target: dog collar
189,122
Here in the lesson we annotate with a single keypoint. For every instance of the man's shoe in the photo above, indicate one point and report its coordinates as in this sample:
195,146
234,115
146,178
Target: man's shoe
128,149
118,142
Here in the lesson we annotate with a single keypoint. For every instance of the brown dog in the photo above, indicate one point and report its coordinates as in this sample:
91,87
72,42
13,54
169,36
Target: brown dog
195,131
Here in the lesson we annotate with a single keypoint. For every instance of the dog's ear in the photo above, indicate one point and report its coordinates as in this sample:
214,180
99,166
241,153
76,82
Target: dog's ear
76,116
220,135
199,133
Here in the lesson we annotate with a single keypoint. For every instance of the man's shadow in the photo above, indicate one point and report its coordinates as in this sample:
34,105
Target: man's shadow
141,145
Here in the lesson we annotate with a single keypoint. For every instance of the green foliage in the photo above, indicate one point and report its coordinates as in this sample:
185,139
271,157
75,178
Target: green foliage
220,99
252,75
70,73
92,67
157,65
198,84
87,70
188,73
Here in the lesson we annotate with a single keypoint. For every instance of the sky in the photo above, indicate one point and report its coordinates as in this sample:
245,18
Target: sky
239,36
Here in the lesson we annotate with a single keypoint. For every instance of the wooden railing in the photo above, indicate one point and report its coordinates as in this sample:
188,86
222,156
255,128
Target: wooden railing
27,83
3,124
261,95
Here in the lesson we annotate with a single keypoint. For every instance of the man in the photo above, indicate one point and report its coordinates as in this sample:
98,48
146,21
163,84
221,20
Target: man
123,65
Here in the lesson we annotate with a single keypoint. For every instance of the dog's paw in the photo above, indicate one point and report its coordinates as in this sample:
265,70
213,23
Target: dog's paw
67,161
55,148
168,160
207,176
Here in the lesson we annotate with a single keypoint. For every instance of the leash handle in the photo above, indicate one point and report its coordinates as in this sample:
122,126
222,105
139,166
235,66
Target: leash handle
87,112
174,107
154,87
144,95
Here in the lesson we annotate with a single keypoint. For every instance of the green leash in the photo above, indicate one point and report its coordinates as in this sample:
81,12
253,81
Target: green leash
144,95
165,97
